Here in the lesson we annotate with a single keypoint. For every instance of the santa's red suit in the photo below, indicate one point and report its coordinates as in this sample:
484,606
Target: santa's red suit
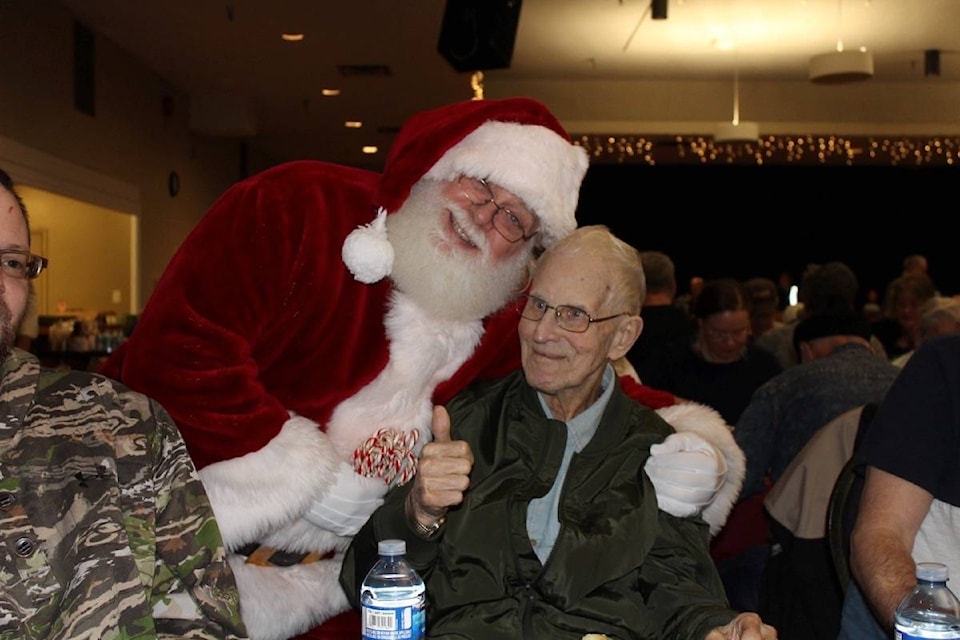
281,365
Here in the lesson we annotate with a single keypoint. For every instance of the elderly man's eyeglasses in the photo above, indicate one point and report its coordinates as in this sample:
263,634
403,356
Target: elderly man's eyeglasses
569,318
21,264
514,224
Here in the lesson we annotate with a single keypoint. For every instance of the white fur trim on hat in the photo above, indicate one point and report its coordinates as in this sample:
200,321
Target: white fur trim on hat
367,251
531,161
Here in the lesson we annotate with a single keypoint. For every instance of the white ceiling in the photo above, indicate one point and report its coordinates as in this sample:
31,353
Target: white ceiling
604,66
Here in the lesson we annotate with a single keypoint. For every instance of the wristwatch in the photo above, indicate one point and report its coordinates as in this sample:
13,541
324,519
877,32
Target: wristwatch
424,531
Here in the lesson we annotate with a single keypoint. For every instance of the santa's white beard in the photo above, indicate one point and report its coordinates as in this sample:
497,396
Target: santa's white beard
442,278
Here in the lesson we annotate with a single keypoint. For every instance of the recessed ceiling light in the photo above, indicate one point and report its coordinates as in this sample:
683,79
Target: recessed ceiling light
370,149
291,37
353,124
330,92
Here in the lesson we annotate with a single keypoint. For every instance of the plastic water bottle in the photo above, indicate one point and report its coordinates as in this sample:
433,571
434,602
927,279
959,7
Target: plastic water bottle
393,597
931,610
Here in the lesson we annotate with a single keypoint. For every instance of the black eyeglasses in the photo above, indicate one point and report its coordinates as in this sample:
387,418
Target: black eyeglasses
512,224
569,318
21,264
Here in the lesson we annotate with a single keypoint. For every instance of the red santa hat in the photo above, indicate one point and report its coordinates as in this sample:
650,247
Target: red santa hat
515,143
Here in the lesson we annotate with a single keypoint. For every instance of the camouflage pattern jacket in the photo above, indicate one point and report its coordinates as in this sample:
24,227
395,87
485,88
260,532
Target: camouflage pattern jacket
105,528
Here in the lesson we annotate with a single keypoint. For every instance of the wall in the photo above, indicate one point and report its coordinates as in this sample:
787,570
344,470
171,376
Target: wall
130,138
89,249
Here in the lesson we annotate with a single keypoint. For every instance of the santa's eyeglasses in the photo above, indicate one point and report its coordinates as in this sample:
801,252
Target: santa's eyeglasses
513,223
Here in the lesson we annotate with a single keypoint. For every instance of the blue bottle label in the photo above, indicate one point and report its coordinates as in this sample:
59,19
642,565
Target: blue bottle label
406,622
925,634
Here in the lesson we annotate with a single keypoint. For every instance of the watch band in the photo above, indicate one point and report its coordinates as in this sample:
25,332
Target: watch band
424,531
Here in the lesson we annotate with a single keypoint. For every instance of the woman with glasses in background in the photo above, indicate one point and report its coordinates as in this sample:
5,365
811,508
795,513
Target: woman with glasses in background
721,368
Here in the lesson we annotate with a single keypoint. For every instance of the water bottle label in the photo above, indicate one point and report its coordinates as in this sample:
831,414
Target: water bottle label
394,623
903,633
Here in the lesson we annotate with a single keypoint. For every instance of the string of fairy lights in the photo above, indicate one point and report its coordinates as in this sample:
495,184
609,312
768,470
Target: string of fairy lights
933,151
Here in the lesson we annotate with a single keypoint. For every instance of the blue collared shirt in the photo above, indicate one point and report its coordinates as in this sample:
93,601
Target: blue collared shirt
543,520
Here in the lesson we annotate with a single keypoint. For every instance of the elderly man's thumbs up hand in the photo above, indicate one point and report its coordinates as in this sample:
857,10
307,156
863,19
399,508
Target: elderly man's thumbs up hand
443,472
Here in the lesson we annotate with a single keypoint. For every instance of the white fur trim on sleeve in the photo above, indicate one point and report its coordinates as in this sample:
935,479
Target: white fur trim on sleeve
281,602
709,425
268,489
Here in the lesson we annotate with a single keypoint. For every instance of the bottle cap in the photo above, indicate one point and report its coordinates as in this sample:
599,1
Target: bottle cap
930,571
397,547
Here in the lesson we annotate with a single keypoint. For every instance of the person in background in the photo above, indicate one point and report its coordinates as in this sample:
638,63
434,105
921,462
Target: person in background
940,315
685,301
304,329
872,310
721,368
915,264
105,529
827,288
764,305
899,330
665,325
802,592
837,372
911,496
531,511
785,288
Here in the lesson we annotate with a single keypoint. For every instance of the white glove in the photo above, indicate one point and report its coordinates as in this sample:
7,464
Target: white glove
348,504
687,471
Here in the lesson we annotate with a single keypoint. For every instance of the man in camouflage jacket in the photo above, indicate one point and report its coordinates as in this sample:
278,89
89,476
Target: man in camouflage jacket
105,528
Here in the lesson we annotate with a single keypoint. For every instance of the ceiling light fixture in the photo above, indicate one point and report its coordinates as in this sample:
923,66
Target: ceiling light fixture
735,130
837,67
291,37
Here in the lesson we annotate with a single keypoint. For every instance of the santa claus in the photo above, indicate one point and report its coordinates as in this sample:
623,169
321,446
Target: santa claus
306,327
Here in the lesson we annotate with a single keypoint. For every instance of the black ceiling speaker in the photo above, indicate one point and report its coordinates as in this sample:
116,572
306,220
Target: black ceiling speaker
931,62
477,35
658,9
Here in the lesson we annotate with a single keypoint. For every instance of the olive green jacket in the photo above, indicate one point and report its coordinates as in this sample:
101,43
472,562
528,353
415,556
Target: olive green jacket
620,566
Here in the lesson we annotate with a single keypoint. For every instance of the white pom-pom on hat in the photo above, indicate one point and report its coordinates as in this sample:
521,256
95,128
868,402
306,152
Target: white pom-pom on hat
367,251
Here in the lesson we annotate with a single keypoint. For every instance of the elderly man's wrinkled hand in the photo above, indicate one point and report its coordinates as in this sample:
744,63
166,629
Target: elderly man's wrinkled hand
746,626
687,472
443,473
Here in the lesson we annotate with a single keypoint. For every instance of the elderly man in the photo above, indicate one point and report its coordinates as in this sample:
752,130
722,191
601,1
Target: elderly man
305,328
105,529
531,515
